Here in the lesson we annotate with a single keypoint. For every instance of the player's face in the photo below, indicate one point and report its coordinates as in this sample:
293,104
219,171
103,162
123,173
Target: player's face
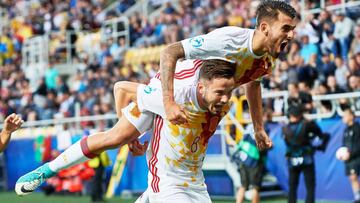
281,32
216,93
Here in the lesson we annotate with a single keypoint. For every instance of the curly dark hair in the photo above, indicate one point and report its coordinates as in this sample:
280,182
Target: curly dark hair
269,9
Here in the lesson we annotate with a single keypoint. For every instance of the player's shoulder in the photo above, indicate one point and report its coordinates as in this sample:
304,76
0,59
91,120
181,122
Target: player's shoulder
186,64
184,94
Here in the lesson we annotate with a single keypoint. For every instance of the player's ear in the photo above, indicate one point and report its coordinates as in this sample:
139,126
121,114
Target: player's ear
265,28
201,87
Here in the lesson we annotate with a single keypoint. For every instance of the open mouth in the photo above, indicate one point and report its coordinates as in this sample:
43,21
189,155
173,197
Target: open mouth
283,45
218,107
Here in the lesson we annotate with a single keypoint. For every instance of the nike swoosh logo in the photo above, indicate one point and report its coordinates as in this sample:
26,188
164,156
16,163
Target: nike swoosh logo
25,190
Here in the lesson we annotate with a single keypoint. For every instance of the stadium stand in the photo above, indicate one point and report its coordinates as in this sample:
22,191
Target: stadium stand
59,60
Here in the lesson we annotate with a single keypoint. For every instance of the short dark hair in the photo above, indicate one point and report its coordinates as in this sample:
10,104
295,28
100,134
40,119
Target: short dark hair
216,68
269,9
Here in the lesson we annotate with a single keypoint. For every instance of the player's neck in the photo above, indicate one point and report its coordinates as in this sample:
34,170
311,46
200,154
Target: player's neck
259,43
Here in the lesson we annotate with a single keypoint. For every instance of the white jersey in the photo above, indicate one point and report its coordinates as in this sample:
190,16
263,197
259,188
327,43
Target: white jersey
176,152
232,44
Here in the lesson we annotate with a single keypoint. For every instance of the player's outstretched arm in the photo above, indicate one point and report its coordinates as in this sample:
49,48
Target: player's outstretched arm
11,124
253,95
168,58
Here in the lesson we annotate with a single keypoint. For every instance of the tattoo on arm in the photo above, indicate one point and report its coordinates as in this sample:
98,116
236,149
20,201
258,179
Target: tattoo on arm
168,59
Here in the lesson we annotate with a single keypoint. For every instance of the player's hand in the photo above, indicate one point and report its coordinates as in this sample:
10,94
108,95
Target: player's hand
138,149
263,141
175,113
12,123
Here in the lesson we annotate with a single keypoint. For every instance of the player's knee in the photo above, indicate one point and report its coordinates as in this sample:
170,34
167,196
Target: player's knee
120,87
124,89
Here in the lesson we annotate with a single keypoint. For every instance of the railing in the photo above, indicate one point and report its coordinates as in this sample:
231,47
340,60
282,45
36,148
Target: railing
64,48
232,118
35,56
335,105
115,28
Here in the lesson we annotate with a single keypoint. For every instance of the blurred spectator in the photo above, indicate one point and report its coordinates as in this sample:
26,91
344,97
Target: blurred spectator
334,88
99,164
355,44
354,68
327,67
124,5
288,74
342,33
325,29
51,75
308,51
354,83
294,57
299,98
341,73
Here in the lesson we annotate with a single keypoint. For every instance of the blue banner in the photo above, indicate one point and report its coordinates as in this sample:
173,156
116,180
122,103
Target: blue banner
331,182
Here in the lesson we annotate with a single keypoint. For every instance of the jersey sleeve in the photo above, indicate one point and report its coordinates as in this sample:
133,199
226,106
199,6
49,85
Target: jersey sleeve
150,98
211,45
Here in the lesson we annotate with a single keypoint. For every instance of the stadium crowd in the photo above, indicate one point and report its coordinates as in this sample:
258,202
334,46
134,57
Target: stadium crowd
324,58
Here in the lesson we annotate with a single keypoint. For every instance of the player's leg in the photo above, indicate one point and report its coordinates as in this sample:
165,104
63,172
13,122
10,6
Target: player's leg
244,178
294,175
354,180
256,179
124,93
128,128
240,195
309,176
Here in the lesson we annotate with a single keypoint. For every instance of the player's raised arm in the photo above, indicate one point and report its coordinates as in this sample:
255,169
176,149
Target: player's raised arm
168,58
11,124
253,95
206,46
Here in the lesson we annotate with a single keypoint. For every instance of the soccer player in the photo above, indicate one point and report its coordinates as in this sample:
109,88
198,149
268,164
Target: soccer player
11,124
177,151
351,141
124,131
253,50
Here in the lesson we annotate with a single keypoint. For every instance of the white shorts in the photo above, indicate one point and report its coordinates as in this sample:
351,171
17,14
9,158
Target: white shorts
175,195
143,121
